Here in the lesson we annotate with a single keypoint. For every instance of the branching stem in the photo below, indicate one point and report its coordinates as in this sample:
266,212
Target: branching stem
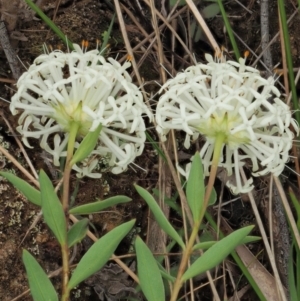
189,247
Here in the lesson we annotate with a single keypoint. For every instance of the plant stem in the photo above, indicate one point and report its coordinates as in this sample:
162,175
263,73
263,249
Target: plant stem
65,273
65,203
218,147
66,181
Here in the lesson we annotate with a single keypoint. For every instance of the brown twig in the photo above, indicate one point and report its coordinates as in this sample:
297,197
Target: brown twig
264,24
9,52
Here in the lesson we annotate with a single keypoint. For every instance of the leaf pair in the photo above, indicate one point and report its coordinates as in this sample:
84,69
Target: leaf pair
94,259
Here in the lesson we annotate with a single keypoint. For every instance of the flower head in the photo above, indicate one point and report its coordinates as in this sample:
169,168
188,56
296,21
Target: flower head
83,87
230,101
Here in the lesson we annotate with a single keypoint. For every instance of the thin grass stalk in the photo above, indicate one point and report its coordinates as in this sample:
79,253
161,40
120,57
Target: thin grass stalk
296,278
283,20
48,21
229,30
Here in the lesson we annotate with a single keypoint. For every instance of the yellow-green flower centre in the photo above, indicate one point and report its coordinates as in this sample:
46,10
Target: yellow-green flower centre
216,126
67,113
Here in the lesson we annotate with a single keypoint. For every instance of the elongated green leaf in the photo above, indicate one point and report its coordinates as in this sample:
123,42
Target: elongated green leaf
48,21
216,253
206,245
106,34
169,201
155,146
100,205
292,278
210,11
296,205
195,187
173,2
149,274
229,30
32,194
77,232
159,216
164,273
52,209
86,146
41,287
99,253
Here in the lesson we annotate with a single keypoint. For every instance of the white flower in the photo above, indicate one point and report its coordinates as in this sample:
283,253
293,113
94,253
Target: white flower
60,88
232,101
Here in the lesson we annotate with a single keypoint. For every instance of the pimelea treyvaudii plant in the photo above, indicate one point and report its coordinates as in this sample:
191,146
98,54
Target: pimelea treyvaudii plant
83,89
237,111
242,119
83,107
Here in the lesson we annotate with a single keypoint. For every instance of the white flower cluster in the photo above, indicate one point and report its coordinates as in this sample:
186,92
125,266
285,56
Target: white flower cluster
229,101
60,88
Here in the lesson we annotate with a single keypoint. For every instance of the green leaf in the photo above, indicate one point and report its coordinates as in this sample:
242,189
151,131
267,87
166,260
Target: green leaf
169,201
181,3
156,147
199,35
52,25
206,245
291,277
216,253
159,216
106,34
195,188
229,30
212,197
77,232
41,287
165,274
210,11
32,194
99,253
149,274
52,209
100,205
296,205
86,146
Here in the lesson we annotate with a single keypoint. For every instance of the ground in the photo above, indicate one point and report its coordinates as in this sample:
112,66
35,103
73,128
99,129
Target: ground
88,20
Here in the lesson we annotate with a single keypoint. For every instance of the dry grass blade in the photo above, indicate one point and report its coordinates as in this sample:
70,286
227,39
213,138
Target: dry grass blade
160,51
126,41
260,274
203,25
262,277
19,166
172,30
148,37
20,145
151,35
